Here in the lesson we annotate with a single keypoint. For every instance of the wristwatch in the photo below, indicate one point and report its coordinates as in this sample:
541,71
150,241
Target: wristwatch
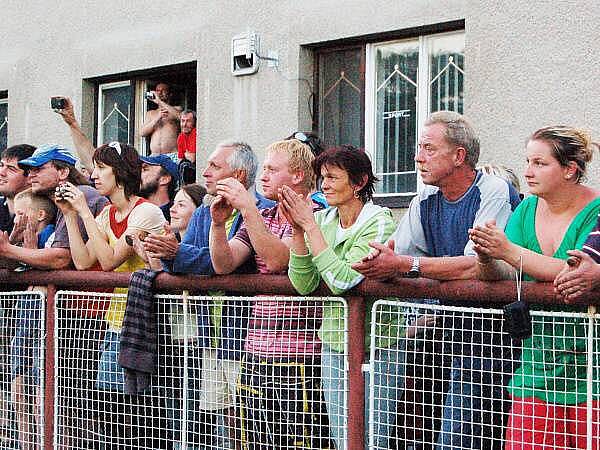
414,271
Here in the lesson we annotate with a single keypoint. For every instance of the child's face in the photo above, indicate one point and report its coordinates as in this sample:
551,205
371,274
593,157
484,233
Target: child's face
22,207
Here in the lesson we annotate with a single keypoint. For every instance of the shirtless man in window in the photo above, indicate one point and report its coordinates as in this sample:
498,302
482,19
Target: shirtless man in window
162,124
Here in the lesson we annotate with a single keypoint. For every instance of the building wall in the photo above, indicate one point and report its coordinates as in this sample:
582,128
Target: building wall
528,63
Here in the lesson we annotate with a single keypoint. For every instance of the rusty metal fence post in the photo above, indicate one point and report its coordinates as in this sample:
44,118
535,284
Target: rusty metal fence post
356,377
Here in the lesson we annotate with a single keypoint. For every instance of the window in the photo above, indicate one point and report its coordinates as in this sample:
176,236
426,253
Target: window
378,95
114,112
341,93
121,105
3,120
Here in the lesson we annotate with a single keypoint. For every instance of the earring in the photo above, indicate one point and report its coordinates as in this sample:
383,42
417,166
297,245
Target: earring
356,194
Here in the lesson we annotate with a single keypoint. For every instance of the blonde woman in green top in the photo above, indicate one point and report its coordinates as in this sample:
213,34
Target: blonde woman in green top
549,388
324,246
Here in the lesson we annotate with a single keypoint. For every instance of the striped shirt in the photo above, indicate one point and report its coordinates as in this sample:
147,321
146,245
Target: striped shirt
592,243
280,328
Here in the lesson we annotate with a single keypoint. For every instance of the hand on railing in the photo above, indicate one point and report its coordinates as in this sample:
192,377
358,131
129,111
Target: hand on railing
382,263
581,275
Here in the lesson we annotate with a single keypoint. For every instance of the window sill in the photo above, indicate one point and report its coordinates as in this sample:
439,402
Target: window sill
396,201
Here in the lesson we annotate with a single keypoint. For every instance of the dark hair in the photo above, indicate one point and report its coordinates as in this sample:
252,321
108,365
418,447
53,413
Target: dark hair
196,192
18,152
173,184
355,162
75,176
189,111
127,166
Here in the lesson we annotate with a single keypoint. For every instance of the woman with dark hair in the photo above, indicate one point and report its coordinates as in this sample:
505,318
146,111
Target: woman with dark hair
549,389
117,175
324,247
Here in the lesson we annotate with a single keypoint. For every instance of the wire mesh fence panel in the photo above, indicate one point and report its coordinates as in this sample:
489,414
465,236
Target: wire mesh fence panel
454,379
22,331
224,373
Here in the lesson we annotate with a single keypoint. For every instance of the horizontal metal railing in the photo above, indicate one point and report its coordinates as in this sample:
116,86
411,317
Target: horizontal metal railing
476,292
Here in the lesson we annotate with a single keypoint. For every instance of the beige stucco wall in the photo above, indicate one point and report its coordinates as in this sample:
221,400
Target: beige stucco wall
529,63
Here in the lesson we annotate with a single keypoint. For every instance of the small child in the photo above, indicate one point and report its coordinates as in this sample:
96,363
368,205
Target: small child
37,213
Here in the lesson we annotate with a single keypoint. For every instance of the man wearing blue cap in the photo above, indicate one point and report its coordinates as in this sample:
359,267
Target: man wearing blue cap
160,176
49,167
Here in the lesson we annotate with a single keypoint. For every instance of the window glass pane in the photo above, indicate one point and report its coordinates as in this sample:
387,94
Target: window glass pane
115,103
340,112
396,68
3,125
447,60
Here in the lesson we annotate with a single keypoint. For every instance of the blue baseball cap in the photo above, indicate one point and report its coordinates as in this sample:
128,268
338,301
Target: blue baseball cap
165,162
49,152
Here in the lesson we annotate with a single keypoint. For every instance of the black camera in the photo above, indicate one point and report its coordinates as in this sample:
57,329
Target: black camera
60,192
58,102
517,320
150,95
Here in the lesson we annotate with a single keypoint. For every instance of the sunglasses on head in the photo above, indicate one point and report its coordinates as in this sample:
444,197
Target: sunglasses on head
116,146
308,140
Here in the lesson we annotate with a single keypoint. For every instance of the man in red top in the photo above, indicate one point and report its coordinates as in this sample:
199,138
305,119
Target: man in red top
186,141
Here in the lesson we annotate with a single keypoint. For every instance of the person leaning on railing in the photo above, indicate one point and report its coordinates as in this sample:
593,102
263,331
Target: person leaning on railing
324,246
432,241
186,201
280,377
117,175
222,322
548,390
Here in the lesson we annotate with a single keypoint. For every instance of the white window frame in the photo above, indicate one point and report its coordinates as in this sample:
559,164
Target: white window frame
423,98
4,101
101,88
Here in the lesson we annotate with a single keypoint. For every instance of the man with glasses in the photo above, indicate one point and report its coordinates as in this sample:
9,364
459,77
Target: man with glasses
48,167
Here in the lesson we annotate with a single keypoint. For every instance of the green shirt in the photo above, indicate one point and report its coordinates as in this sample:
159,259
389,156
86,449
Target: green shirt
553,361
333,265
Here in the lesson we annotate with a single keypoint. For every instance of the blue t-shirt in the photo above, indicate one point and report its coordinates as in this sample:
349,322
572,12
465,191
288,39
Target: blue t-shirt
45,235
434,226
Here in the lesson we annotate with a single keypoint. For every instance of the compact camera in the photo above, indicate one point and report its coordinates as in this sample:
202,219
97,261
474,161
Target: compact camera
60,192
129,239
58,102
150,95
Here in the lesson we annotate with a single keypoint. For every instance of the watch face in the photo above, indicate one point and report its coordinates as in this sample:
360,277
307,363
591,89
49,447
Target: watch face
412,274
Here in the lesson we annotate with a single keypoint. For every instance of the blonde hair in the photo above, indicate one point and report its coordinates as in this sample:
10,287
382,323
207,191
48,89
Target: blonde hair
503,172
568,144
39,202
300,159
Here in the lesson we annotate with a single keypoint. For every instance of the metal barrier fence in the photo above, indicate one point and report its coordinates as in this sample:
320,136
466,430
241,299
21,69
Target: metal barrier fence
407,416
22,346
459,373
257,387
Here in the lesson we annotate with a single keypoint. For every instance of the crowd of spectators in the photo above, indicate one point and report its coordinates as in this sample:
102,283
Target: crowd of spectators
315,221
